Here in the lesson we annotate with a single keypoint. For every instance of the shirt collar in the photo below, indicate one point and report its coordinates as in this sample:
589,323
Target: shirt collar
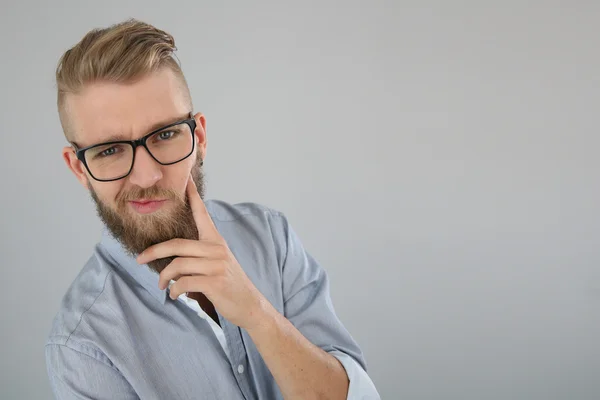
145,276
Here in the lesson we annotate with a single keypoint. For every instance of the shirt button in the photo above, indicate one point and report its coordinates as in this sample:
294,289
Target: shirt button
241,369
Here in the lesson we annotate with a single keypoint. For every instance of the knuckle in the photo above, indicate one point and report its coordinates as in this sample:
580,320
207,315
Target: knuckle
177,264
222,251
184,284
221,267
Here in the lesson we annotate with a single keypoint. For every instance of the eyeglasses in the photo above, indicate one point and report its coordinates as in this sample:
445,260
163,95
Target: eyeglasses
111,161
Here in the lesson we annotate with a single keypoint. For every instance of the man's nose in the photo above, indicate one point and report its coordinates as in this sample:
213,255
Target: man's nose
146,170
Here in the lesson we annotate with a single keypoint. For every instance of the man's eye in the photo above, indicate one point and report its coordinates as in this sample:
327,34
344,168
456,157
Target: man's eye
166,135
108,152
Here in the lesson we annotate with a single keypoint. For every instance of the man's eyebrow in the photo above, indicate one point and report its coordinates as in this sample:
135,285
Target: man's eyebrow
114,137
170,121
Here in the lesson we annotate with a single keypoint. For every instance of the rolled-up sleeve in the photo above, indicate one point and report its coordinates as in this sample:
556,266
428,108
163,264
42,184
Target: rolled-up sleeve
308,306
75,374
361,386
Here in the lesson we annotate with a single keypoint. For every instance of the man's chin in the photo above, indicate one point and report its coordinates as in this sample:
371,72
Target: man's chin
137,232
158,225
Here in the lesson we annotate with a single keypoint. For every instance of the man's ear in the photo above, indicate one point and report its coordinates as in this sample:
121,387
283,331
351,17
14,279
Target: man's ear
200,133
75,165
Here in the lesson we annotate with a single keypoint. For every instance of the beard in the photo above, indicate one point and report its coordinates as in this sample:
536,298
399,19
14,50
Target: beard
137,232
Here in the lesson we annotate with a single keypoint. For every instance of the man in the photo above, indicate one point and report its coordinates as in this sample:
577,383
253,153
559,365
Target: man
182,298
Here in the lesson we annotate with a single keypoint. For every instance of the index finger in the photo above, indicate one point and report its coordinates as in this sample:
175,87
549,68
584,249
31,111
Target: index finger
204,223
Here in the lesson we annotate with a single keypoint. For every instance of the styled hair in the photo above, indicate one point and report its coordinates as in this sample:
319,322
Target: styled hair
121,53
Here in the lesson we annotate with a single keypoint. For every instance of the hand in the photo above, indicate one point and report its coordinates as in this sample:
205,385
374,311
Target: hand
207,265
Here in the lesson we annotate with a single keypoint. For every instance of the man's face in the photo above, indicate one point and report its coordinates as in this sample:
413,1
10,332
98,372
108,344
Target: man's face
105,110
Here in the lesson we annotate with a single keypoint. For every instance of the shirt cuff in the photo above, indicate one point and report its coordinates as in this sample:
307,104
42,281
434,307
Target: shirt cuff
361,386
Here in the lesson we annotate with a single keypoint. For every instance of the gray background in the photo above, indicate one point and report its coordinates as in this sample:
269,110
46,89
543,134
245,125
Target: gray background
439,159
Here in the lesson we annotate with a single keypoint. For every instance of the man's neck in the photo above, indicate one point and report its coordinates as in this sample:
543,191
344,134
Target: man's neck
206,305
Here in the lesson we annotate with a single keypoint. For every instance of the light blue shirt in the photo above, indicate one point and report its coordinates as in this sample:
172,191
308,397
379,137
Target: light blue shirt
118,336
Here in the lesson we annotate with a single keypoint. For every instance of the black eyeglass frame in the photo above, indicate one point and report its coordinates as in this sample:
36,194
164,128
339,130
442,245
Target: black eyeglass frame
80,153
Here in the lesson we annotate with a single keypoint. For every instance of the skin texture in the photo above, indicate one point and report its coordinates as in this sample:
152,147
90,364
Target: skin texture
190,251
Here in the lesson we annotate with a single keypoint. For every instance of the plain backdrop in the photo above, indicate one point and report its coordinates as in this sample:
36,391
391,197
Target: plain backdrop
439,159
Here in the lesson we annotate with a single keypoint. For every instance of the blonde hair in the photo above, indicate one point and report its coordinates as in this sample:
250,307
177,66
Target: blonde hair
121,53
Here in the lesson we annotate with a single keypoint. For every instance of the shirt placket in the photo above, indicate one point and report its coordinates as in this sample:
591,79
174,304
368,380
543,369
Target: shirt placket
238,357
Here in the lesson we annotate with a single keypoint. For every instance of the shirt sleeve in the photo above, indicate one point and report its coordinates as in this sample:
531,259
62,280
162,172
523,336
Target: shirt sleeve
361,386
308,306
74,374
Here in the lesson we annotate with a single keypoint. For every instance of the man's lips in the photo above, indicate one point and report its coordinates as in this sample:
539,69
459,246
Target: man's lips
145,206
142,201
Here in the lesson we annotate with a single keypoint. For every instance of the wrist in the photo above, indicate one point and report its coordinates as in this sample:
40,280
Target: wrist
263,318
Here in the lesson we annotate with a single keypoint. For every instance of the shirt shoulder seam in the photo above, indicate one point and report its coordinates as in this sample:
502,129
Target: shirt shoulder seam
108,364
91,305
